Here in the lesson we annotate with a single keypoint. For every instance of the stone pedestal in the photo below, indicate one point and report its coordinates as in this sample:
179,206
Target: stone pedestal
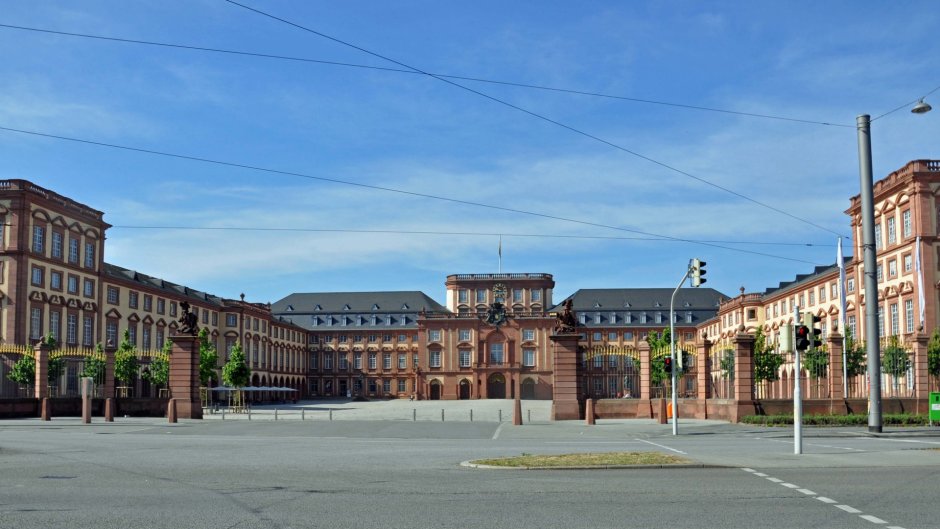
41,386
921,375
109,371
589,412
743,377
184,376
517,412
565,377
834,343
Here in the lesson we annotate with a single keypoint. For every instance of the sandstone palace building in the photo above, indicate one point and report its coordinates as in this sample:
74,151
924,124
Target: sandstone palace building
491,336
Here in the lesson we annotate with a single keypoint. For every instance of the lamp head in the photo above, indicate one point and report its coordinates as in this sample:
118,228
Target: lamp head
921,107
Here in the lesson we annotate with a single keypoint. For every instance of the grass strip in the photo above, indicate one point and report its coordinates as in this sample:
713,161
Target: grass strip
889,419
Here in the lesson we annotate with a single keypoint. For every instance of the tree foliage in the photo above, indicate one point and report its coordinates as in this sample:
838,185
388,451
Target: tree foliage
158,373
816,362
24,371
208,357
125,360
235,372
660,348
767,362
855,357
726,363
933,354
94,366
895,360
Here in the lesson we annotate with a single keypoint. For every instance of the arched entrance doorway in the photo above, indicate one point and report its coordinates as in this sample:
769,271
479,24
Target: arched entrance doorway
435,390
528,389
464,389
496,386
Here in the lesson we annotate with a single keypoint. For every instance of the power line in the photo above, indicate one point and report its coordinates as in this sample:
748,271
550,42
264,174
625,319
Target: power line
539,116
465,233
386,189
906,105
415,72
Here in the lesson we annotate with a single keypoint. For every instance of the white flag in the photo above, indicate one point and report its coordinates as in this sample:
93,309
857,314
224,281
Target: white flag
920,279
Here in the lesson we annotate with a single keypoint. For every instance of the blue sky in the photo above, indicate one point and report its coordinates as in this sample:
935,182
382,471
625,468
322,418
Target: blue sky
816,61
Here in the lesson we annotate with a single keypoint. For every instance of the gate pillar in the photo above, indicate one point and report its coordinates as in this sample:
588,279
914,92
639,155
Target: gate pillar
184,376
565,377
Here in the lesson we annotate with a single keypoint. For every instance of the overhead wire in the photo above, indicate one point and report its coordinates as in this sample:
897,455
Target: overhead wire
538,116
906,105
414,72
383,188
462,233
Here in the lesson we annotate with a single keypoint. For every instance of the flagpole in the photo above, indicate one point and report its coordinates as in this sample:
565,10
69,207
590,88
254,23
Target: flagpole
845,367
500,253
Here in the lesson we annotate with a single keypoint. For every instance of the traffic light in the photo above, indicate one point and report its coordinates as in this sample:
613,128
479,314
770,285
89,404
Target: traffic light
698,270
814,335
802,338
667,363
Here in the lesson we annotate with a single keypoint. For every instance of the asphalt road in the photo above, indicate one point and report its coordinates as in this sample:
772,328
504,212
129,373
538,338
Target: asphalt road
369,474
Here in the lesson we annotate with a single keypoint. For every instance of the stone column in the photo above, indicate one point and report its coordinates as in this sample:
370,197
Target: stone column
565,377
109,371
834,343
703,375
184,376
645,365
921,380
41,381
743,376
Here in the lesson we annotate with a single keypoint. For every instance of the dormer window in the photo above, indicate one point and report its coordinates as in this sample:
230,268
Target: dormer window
318,307
597,305
627,317
687,304
643,317
688,317
290,308
613,317
583,318
375,320
345,307
388,319
375,307
659,317
597,318
404,306
344,321
404,320
658,304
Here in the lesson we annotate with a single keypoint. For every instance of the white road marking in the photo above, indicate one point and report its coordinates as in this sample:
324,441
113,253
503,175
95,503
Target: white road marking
872,519
761,474
807,492
895,527
662,446
498,429
588,442
825,499
775,480
790,485
847,508
748,470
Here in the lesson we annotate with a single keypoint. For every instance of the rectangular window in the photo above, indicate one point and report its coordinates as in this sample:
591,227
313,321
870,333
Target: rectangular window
892,231
435,359
161,305
895,324
145,343
373,363
231,320
328,361
834,291
55,280
387,361
71,329
598,361
172,308
314,361
909,316
160,338
88,335
496,354
536,295
878,243
132,333
343,361
89,288
357,361
880,272
148,303
73,250
402,362
612,336
851,325
481,296
517,295
822,294
892,268
401,385
110,333
528,335
464,335
73,284
906,222
37,276
89,255
39,239
56,245
881,321
464,355
35,323
55,324
414,360
434,335
850,284
812,297
386,386
628,336
114,295
908,263
132,299
463,296
528,357
597,336
205,312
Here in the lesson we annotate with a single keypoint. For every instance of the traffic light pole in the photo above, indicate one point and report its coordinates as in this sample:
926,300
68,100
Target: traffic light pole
797,390
672,345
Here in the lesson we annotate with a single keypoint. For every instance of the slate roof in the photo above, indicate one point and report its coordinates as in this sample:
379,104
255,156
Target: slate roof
802,279
701,302
172,289
302,308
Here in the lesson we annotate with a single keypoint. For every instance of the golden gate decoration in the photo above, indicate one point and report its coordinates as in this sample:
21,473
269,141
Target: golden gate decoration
610,350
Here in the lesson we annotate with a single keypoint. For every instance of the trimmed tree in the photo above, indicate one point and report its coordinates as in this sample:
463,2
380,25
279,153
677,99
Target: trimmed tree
933,354
158,373
767,362
56,366
125,360
235,373
208,358
94,366
855,356
23,371
895,361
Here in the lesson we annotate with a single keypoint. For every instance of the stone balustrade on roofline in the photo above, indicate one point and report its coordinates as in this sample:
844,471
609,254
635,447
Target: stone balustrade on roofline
480,315
463,277
67,203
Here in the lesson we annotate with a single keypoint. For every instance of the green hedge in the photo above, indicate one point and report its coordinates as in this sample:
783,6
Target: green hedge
890,419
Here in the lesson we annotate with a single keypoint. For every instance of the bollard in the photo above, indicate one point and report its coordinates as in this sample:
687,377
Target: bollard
442,415
275,414
517,412
302,410
171,411
223,414
331,414
471,415
500,415
45,412
109,410
249,413
414,415
589,412
530,415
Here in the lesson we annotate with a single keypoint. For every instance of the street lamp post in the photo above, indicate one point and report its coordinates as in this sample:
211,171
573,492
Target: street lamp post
863,124
871,281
